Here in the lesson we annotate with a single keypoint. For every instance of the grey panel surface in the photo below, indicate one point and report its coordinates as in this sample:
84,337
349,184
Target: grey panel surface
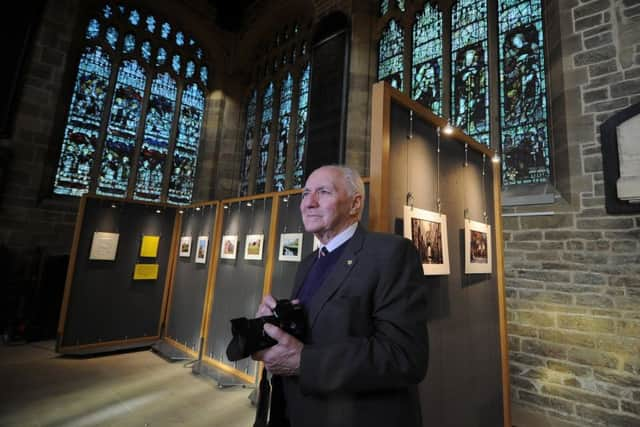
463,385
186,306
239,282
105,303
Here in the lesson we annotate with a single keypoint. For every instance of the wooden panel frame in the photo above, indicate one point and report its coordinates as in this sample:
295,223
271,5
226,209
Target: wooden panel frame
379,217
113,344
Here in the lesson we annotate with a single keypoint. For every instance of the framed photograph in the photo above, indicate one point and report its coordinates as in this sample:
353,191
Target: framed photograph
229,246
201,249
146,271
253,246
104,246
428,232
290,247
185,246
477,247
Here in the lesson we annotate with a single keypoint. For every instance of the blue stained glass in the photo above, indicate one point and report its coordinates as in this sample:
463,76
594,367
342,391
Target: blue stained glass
523,102
265,137
175,63
284,119
107,12
134,18
179,39
384,6
151,24
155,142
192,42
81,133
124,117
165,30
427,59
199,53
301,132
112,37
204,74
129,43
93,29
190,70
121,9
161,57
470,70
146,50
248,144
185,154
390,55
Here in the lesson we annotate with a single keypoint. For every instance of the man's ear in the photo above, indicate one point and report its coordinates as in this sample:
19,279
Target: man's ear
356,204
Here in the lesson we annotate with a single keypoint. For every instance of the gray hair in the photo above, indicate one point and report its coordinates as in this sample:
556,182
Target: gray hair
353,181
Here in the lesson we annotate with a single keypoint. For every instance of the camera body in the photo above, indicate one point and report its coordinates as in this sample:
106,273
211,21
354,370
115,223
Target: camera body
249,335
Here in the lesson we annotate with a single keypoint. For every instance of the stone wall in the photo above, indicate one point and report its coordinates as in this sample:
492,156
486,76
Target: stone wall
573,276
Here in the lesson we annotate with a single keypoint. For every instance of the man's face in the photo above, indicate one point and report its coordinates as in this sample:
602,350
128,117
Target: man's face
326,207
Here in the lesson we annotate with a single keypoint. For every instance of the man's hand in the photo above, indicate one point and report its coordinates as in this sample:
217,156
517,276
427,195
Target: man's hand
284,357
266,306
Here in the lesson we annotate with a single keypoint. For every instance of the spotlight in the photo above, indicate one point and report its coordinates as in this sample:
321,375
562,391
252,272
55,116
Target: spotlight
198,208
180,211
114,205
158,211
448,129
225,206
496,158
249,204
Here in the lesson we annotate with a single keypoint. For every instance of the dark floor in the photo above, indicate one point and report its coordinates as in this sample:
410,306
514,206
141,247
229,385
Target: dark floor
41,388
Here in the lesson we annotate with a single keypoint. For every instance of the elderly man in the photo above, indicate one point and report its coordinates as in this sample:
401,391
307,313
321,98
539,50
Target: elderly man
367,345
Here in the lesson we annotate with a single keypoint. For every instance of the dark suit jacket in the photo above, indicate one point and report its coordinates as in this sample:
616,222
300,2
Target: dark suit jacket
367,345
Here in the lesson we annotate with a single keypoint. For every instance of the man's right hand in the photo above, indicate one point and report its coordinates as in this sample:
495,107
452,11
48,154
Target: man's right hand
266,306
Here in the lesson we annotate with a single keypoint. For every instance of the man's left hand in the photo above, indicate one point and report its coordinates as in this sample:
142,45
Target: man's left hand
284,357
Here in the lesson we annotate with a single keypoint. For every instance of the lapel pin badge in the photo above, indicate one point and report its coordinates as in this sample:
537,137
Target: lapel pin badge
349,262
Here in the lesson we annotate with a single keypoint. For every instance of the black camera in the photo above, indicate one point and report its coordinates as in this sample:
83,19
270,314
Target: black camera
249,335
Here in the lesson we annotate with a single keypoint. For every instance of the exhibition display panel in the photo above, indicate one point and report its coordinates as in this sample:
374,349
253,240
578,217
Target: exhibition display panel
442,191
118,276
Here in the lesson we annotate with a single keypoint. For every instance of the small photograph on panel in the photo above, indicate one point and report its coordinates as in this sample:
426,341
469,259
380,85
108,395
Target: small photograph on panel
201,249
104,246
477,247
185,246
428,232
229,246
290,247
253,246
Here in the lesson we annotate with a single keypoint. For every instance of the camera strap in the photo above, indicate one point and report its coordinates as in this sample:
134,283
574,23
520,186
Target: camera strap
264,397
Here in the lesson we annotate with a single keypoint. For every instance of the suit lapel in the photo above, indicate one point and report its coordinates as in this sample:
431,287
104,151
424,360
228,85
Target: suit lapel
348,259
302,272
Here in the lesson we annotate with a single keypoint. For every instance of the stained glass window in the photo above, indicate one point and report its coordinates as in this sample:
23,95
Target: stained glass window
120,141
301,132
523,104
112,37
426,84
175,63
146,50
265,137
204,74
93,29
134,18
129,43
165,30
470,69
155,141
161,58
384,6
179,39
248,144
284,122
190,70
127,151
390,49
185,154
82,131
151,24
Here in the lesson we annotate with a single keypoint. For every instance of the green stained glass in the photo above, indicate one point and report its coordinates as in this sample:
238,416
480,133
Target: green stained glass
426,70
523,102
390,55
470,70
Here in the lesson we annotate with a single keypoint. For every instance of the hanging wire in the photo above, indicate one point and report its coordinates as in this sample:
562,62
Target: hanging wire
438,170
464,175
484,198
409,197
